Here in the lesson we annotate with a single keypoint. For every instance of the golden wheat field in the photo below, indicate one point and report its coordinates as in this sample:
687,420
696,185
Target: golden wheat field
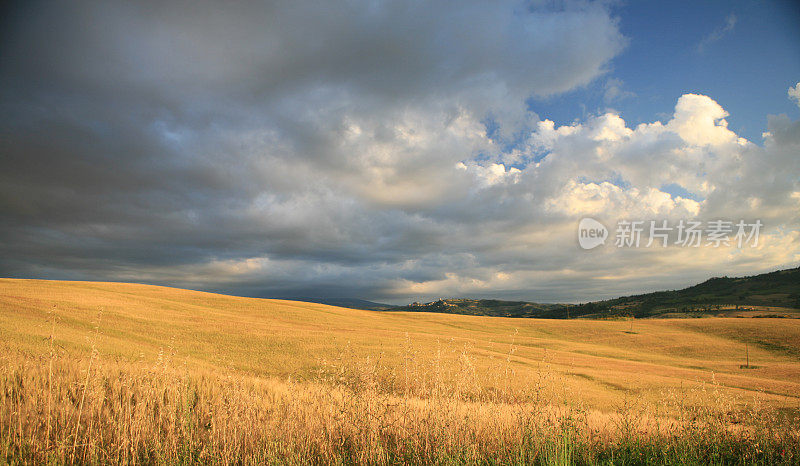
123,373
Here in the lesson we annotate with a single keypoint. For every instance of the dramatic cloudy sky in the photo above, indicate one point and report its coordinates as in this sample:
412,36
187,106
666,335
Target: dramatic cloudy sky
391,150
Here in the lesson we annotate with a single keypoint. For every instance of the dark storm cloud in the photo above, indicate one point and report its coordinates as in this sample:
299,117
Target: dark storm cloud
132,133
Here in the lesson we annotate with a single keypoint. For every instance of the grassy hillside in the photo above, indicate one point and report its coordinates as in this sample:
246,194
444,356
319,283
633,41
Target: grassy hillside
264,337
189,374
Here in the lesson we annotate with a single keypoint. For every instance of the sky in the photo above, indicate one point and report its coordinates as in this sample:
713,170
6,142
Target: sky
395,151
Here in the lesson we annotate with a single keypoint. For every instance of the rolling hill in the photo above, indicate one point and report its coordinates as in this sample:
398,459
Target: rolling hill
775,294
114,373
602,360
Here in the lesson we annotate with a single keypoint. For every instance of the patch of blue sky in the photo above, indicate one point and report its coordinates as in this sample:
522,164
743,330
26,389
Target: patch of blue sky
743,54
676,190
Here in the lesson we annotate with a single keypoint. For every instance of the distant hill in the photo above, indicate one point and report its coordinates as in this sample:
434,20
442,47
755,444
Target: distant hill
775,291
351,303
770,294
482,307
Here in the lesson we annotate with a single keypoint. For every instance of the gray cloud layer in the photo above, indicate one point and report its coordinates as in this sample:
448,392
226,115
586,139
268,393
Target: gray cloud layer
289,148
